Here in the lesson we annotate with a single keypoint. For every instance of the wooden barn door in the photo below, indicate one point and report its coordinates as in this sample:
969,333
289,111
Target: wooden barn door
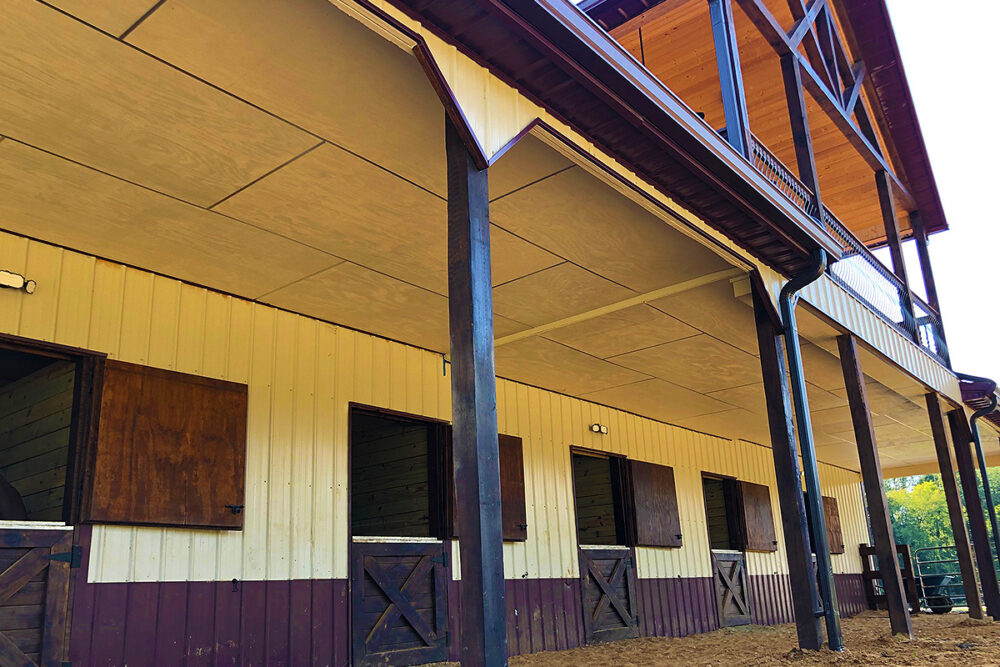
608,587
728,534
731,590
400,603
34,596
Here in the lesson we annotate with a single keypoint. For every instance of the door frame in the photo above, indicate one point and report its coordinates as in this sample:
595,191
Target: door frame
444,511
84,418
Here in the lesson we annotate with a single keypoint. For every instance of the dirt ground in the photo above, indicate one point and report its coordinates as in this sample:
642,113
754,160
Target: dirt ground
950,639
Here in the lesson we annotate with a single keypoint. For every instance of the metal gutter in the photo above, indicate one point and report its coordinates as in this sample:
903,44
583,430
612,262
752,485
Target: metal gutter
787,301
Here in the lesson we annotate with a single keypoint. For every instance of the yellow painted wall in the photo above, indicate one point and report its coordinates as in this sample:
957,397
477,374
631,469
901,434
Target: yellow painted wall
302,373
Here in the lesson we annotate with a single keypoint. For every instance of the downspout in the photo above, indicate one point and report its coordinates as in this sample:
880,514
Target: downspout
787,301
981,456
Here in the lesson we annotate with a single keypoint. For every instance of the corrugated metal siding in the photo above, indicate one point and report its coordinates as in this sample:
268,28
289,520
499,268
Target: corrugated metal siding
301,375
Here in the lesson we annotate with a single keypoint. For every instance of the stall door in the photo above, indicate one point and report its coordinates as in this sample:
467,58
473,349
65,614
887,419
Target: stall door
399,519
608,586
730,582
400,603
34,595
607,562
727,541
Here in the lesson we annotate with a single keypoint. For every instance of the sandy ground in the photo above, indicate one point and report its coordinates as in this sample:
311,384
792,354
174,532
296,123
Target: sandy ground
950,639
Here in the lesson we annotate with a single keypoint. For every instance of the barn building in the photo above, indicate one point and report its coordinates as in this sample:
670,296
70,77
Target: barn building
389,332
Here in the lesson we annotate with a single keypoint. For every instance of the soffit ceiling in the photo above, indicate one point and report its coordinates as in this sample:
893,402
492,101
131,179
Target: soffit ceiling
234,145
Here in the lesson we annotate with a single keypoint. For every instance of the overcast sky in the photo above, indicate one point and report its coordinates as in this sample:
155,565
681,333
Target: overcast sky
949,61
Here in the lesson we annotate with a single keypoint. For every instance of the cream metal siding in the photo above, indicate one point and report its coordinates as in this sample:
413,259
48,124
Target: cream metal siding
302,373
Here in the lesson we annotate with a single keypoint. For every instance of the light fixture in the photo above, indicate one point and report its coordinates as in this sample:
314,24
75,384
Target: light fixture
599,428
13,280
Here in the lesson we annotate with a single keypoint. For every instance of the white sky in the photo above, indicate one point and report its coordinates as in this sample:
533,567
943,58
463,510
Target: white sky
949,59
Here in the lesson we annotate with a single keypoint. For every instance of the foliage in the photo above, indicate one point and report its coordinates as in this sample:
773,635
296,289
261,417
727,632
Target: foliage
919,510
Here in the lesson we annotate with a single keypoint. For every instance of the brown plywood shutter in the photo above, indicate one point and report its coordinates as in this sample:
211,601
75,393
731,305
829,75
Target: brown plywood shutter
170,450
654,503
758,520
833,534
512,506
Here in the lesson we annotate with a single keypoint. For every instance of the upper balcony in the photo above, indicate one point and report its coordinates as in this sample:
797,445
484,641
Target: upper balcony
786,125
788,84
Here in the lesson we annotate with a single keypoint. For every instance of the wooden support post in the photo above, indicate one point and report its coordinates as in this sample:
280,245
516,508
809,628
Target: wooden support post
961,436
883,183
871,479
794,523
926,270
963,549
727,55
474,409
798,117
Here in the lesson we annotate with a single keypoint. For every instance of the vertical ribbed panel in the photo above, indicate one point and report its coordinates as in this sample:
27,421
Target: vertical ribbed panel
302,374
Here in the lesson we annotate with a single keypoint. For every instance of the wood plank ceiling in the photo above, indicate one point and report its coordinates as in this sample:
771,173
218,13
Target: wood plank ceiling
239,146
674,41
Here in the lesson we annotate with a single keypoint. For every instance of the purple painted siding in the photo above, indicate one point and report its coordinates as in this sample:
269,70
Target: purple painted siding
306,622
771,597
207,623
676,607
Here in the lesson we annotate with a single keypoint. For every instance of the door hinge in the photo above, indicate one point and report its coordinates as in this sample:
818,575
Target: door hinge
443,559
74,557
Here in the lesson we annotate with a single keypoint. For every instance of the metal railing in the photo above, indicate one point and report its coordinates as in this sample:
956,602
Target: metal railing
859,271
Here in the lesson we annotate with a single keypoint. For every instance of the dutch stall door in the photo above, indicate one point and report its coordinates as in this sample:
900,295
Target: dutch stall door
399,568
34,594
400,604
608,583
730,579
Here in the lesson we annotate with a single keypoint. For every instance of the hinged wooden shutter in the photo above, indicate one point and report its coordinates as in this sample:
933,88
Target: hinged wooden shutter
758,520
170,450
833,534
654,505
512,506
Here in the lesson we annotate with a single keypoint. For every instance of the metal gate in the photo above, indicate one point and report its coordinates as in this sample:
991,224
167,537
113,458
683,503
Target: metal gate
399,603
608,589
34,595
732,595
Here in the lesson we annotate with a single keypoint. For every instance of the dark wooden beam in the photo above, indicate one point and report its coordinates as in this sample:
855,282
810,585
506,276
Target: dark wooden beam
474,408
871,479
963,549
798,117
926,269
727,56
830,101
961,436
883,183
788,475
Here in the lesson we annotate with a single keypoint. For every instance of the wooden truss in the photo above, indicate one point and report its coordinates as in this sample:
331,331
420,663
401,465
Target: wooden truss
827,73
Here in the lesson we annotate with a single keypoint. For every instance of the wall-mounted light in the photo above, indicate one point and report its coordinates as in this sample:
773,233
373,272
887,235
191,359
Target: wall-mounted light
599,428
12,280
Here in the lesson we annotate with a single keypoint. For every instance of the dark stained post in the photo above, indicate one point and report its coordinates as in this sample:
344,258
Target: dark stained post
805,160
883,183
871,479
926,270
727,55
474,409
961,437
788,475
963,550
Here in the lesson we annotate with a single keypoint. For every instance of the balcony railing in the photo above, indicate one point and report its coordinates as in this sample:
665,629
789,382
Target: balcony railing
859,271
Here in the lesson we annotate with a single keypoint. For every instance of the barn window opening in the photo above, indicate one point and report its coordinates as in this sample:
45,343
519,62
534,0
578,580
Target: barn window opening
597,487
397,472
36,414
723,513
